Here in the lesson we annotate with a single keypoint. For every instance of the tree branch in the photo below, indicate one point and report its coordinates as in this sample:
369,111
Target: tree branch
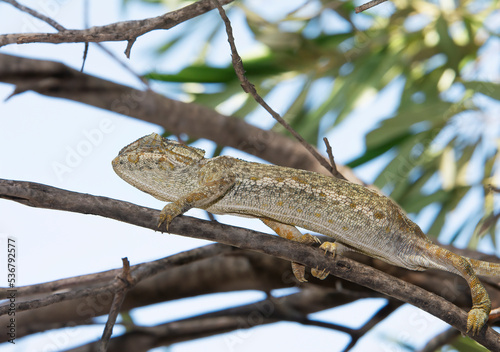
127,30
125,282
246,316
57,80
39,195
368,5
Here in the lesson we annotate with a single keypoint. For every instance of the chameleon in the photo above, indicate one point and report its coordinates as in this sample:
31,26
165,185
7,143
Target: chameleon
356,217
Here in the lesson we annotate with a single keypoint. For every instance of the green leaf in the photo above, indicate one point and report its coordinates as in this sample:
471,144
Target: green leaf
447,45
397,171
487,88
466,344
463,163
411,200
372,153
195,73
417,203
215,99
431,115
455,196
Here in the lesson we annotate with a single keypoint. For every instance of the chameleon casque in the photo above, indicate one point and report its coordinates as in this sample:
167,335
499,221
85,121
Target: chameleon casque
356,217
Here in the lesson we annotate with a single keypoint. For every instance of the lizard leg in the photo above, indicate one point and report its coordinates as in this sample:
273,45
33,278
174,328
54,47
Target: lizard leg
481,303
332,248
291,233
209,192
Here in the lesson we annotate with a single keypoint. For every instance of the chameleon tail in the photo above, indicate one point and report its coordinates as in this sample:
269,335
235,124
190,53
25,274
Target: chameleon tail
484,268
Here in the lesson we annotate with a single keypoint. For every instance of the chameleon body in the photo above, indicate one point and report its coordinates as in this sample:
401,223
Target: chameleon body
356,217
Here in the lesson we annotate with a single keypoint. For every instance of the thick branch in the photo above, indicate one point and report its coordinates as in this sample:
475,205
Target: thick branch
57,80
48,197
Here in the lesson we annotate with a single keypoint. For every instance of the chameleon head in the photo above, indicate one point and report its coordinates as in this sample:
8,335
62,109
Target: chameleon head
152,158
167,153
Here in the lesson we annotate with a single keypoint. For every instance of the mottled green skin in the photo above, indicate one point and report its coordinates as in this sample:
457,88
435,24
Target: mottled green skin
353,215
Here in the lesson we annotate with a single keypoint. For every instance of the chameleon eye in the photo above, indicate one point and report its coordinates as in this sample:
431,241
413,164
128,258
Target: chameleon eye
133,158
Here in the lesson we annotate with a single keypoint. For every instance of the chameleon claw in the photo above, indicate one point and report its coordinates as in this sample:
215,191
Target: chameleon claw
164,219
307,238
329,247
299,271
319,274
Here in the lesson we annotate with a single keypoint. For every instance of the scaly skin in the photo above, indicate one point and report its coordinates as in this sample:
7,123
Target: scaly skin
356,217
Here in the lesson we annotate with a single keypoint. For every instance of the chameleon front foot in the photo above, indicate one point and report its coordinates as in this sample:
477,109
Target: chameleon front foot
168,213
476,319
164,219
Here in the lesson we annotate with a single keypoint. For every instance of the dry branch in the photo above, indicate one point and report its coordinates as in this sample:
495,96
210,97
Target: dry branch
38,195
294,307
126,30
57,80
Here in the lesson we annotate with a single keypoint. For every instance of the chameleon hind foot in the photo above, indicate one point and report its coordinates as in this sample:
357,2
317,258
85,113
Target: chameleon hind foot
476,319
299,271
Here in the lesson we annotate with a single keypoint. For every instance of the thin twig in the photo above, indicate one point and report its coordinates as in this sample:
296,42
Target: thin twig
119,31
60,28
494,188
250,88
333,166
85,52
126,282
86,12
229,319
368,5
